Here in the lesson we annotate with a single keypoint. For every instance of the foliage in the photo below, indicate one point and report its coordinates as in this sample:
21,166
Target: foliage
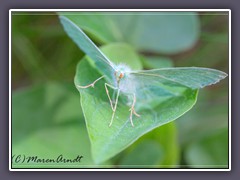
47,119
106,142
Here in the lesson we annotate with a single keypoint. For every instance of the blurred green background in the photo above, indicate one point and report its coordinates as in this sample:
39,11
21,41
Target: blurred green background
46,115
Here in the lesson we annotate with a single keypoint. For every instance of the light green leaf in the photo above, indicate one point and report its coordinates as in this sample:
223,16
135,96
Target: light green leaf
156,62
108,141
165,32
123,53
168,137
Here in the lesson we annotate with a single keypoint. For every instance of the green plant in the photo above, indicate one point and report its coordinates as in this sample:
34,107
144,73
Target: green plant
47,120
168,92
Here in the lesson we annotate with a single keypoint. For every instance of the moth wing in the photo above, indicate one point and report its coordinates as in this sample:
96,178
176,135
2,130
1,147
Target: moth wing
192,77
100,61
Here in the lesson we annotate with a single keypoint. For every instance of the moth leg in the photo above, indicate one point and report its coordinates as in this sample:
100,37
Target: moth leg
132,110
115,107
108,85
90,85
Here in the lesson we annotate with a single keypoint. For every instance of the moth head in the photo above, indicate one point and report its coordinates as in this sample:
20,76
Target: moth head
119,75
121,71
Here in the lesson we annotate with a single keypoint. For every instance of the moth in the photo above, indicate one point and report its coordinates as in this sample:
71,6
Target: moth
131,83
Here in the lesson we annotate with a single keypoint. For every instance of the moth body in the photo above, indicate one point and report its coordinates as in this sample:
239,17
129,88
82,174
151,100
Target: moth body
125,81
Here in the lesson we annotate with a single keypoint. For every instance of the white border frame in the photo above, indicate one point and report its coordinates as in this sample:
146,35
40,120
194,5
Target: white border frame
113,10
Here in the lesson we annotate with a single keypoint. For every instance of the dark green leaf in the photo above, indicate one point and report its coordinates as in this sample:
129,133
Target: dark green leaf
211,101
211,151
158,148
47,122
148,153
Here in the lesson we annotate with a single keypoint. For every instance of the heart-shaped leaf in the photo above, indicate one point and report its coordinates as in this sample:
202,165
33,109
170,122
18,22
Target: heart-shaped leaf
108,141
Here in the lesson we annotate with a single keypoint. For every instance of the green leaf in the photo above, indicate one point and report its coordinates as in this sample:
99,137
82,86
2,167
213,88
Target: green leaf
156,62
165,32
69,141
30,57
158,148
47,122
108,141
148,153
123,53
214,103
168,137
149,95
210,151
